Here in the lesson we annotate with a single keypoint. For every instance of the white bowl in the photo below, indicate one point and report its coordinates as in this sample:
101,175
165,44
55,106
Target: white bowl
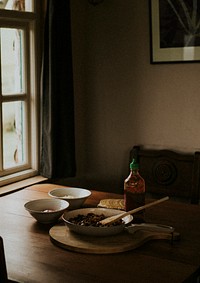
75,196
92,230
46,210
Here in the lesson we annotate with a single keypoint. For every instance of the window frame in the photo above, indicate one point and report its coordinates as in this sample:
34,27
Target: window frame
31,21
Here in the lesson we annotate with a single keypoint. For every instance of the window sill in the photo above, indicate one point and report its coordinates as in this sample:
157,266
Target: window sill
21,184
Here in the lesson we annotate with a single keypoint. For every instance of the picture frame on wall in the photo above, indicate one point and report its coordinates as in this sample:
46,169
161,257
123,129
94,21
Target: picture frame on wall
175,31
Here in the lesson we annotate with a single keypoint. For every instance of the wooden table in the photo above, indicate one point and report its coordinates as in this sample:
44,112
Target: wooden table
32,257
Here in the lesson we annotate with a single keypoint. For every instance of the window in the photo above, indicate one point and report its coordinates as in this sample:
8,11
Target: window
19,85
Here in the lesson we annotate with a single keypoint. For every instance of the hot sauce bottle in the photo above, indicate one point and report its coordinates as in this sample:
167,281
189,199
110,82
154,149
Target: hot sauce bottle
134,192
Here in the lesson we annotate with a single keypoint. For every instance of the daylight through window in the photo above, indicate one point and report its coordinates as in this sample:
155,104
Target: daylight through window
18,92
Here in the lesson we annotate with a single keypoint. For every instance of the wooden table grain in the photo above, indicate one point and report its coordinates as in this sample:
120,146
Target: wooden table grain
31,256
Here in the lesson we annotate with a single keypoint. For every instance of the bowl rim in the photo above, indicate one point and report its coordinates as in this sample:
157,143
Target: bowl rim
65,203
66,198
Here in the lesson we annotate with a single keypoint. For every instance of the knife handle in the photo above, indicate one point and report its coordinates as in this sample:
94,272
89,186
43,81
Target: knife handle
150,227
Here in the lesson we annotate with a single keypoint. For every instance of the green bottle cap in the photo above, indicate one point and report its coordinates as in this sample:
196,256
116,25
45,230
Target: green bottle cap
134,165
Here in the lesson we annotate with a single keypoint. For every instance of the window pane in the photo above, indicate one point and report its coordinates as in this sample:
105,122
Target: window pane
20,5
13,134
12,63
19,89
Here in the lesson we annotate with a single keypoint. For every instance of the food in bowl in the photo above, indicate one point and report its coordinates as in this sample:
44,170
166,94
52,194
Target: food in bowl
49,210
46,210
75,196
92,219
107,230
68,196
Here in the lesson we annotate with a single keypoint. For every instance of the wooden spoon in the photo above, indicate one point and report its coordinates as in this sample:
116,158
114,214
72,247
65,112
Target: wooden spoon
114,218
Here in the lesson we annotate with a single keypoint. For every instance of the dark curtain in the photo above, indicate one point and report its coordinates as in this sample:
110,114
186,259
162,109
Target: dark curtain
57,132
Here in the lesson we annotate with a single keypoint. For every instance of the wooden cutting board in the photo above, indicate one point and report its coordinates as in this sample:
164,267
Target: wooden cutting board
62,237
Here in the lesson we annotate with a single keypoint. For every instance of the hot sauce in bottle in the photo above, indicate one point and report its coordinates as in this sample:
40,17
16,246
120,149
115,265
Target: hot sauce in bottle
134,191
